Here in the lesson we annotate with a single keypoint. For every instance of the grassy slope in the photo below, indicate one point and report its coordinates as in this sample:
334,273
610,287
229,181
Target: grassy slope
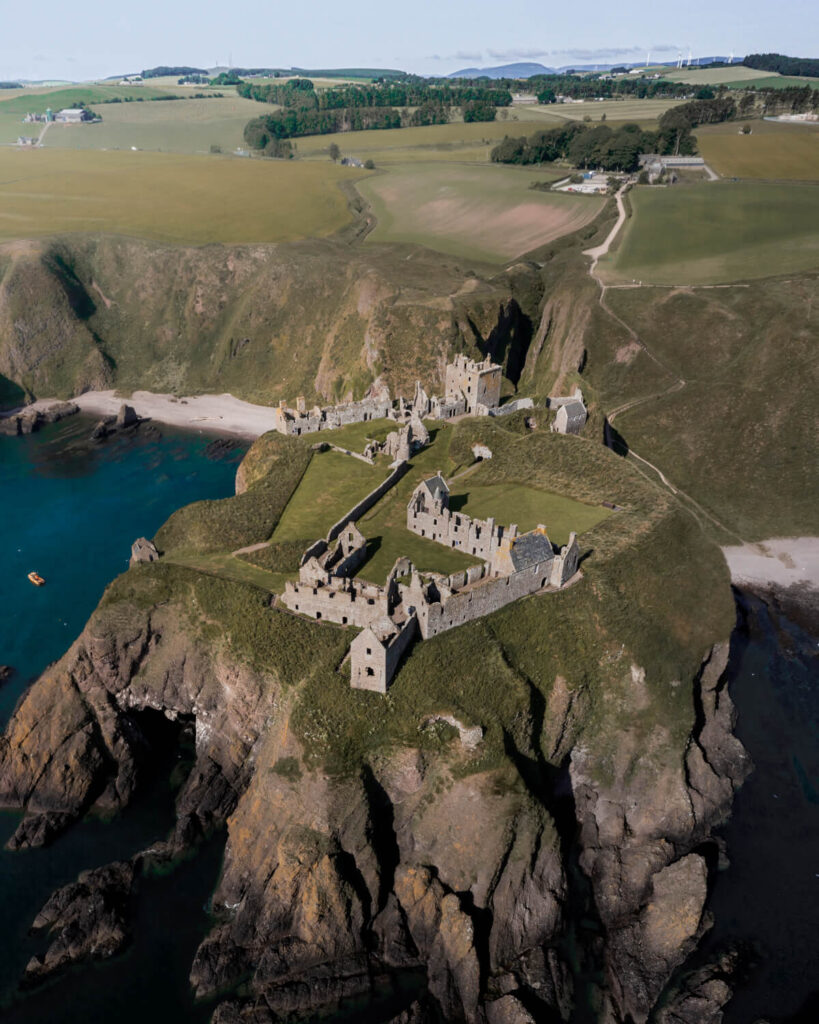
712,232
319,318
168,197
332,485
487,212
526,506
740,437
781,152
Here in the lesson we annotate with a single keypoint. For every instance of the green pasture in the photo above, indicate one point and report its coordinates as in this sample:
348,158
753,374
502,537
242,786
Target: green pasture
528,507
454,141
774,150
331,486
179,126
168,197
643,111
715,76
487,212
717,232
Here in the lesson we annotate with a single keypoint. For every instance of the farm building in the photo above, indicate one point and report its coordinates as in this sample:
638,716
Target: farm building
73,115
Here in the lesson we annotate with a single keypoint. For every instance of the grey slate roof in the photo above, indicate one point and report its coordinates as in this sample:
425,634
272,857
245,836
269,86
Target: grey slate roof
575,413
436,483
530,548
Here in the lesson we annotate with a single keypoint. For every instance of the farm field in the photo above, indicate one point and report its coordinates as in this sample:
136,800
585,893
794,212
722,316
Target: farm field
455,141
15,104
644,112
184,126
781,152
485,212
169,197
715,76
528,507
717,232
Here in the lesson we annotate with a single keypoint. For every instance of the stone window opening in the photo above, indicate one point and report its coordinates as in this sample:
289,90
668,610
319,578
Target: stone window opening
369,651
370,600
315,591
318,615
343,620
370,671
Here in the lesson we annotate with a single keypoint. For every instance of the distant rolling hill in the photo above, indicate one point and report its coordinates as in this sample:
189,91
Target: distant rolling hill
528,69
522,70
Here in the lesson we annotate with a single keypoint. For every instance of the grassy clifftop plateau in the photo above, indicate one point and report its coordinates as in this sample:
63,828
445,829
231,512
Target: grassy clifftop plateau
655,595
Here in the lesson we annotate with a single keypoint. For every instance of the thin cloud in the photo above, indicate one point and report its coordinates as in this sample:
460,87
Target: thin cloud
516,54
602,54
459,55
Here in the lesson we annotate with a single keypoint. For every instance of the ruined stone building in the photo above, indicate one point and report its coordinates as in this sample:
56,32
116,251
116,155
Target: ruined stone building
429,515
300,420
391,616
571,413
478,383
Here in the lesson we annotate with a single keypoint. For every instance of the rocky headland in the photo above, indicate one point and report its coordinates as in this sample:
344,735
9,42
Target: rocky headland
562,860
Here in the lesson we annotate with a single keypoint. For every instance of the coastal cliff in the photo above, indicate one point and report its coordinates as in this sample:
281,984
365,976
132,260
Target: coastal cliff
563,861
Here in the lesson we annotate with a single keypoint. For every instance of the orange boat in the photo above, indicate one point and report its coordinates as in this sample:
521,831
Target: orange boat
36,579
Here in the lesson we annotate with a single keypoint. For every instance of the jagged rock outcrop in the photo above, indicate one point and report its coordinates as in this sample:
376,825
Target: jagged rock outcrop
638,835
88,919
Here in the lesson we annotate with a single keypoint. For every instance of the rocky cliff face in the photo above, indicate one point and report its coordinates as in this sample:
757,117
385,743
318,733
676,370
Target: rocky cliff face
416,861
265,322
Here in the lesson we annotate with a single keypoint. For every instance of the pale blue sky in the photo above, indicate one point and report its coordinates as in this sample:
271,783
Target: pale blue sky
96,38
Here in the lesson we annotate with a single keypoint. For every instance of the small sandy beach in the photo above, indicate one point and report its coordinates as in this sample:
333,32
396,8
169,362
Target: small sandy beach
216,414
778,562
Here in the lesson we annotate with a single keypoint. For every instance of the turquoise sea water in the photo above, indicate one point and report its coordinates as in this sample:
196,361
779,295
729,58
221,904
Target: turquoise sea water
70,510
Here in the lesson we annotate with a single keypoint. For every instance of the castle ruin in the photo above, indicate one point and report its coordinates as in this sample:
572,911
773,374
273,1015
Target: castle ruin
390,617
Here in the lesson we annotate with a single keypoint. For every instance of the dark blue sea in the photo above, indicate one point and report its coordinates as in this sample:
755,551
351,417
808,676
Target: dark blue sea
70,510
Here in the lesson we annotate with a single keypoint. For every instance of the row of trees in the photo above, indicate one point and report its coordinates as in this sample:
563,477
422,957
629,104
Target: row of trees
294,122
300,92
290,124
581,144
807,66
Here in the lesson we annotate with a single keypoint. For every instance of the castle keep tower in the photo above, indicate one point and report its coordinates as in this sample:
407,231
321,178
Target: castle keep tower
478,384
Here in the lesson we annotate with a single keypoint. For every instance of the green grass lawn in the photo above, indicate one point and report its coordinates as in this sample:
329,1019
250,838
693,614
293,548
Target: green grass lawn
355,435
169,197
776,151
484,212
226,566
526,506
332,484
717,232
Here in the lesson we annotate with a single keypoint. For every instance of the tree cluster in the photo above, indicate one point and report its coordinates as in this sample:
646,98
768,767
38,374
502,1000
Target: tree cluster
226,78
163,72
289,124
299,92
479,110
805,66
583,145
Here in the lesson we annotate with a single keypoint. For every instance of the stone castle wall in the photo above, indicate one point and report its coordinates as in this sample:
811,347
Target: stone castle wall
478,537
364,506
346,602
484,598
